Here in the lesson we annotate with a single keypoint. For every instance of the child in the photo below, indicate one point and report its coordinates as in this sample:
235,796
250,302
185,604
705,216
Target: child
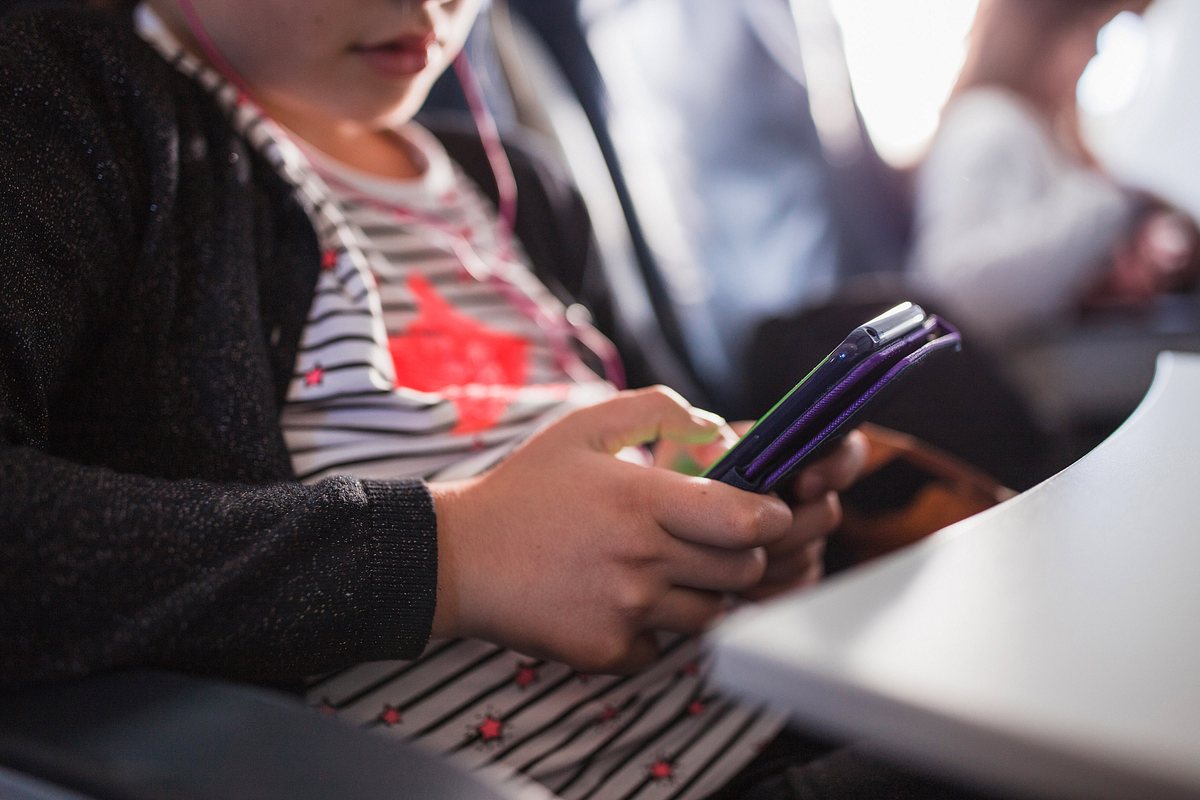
233,276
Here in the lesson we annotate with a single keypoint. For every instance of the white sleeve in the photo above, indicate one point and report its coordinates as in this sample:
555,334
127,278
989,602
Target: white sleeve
1007,235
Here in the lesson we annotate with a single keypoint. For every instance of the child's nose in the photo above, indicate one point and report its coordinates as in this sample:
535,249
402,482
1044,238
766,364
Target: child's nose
425,16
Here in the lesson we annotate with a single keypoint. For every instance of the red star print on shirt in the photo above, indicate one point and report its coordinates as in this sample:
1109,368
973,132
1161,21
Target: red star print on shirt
445,351
527,675
390,716
490,729
608,714
662,770
329,259
315,376
696,708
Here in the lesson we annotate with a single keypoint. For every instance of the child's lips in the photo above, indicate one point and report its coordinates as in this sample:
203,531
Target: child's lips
401,57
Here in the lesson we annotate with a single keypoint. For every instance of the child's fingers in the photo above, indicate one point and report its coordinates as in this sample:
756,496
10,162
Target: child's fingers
836,471
712,513
565,551
811,521
740,427
796,559
718,569
802,569
641,416
693,459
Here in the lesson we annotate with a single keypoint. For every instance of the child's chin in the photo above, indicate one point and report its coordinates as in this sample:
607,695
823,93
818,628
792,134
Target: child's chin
383,111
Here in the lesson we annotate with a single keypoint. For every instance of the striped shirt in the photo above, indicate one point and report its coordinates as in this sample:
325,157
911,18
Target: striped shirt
420,365
421,357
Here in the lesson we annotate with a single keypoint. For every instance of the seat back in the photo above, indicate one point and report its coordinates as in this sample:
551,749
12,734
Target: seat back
555,54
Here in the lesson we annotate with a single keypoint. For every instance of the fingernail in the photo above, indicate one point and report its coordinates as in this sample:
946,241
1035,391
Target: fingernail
703,417
712,425
729,436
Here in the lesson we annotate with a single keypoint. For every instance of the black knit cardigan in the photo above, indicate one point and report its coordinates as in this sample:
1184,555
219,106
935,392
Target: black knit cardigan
155,274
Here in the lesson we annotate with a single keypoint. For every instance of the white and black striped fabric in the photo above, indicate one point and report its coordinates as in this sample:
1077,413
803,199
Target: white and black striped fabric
336,421
365,400
663,733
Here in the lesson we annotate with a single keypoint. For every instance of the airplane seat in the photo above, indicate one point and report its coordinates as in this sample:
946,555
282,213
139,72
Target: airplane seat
561,68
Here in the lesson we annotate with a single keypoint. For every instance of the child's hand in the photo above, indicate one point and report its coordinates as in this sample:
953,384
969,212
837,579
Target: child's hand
566,551
795,560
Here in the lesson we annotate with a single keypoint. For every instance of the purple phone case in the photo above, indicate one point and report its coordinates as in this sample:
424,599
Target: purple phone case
900,355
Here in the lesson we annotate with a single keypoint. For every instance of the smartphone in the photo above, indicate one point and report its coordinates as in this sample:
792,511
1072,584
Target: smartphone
824,403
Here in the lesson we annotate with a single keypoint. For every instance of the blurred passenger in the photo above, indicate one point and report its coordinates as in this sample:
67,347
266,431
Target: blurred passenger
1017,226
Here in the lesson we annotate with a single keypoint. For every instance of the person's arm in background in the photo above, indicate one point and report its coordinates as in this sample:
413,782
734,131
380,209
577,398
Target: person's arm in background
1162,255
1007,235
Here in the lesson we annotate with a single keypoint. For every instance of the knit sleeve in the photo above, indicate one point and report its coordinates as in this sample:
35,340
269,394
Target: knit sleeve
102,568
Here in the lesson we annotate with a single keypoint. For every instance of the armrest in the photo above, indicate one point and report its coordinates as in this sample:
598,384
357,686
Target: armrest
142,734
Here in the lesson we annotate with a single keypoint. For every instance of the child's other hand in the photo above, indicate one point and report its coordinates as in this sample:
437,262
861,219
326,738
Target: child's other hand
796,560
568,552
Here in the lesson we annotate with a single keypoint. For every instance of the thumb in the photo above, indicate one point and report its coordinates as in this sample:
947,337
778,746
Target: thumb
637,417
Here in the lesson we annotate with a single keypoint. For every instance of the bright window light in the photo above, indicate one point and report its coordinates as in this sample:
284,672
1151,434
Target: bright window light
1118,71
903,57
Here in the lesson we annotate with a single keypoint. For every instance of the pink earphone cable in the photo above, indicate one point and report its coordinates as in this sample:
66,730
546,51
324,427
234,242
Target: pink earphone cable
212,52
489,135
